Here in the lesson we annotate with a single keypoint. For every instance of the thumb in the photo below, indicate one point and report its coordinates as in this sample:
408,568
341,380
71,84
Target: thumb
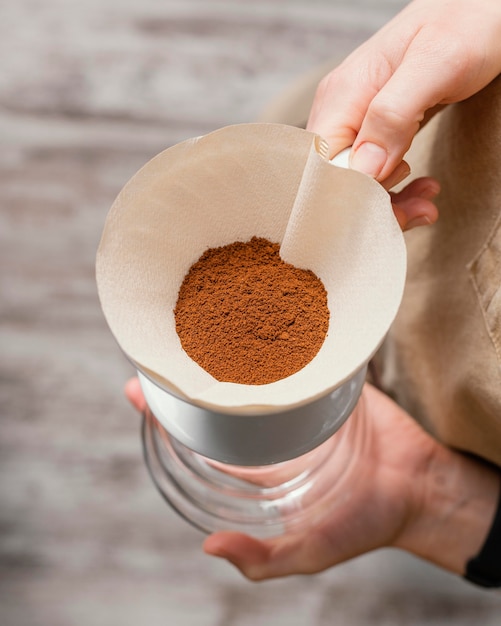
379,119
272,558
382,94
393,118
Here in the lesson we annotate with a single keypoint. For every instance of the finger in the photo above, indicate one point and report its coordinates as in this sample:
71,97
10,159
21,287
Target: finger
349,109
247,554
399,174
339,107
344,95
423,187
273,558
134,394
413,206
398,110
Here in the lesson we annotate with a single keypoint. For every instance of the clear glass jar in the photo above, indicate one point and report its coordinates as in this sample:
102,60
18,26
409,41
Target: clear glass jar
262,501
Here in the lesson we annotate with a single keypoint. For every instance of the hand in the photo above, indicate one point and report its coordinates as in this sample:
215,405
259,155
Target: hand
413,206
433,53
401,489
387,451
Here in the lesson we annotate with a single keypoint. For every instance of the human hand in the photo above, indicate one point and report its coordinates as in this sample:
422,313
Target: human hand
413,206
401,489
433,53
370,503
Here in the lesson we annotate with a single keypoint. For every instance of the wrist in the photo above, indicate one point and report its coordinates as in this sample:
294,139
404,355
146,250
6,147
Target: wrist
453,509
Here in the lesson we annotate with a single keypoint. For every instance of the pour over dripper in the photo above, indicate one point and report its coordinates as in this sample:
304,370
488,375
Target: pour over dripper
263,180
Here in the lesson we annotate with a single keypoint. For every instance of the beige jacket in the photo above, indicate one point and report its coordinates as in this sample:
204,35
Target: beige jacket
442,358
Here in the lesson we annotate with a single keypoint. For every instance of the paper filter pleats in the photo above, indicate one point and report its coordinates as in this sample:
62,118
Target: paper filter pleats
264,180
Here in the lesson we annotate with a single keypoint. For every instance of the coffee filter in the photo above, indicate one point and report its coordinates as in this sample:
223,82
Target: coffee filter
264,180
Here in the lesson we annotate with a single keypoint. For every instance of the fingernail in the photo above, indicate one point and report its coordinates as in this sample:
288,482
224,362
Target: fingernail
430,191
399,174
422,220
369,159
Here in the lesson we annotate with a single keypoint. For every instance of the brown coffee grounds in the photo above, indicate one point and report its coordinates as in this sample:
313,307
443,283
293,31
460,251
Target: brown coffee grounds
248,317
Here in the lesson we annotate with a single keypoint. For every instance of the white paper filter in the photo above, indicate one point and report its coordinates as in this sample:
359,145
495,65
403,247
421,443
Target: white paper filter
264,180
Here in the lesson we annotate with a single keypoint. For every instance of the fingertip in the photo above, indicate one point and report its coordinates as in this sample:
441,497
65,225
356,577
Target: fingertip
414,205
134,394
369,158
213,545
236,546
416,212
430,188
399,174
247,554
338,134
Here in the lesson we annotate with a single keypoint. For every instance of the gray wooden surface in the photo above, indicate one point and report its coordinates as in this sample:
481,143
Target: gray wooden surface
88,92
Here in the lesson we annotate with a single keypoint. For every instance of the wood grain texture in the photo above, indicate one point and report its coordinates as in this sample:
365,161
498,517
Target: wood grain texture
89,91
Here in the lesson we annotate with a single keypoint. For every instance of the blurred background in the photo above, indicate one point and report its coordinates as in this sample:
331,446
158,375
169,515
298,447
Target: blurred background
89,91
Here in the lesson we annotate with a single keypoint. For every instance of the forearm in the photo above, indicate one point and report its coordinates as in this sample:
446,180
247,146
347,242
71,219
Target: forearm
455,508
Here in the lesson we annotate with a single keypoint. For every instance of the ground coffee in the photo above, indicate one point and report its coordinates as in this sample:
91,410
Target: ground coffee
248,317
